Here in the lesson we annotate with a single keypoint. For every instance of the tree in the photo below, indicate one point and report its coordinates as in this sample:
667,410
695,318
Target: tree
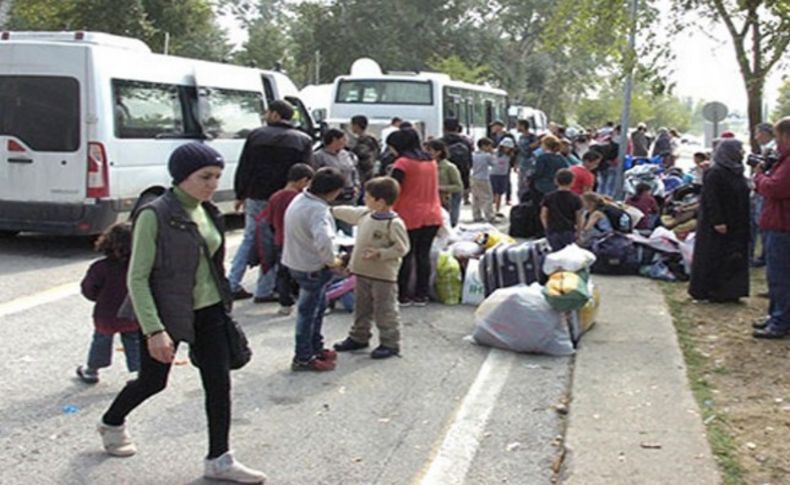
457,69
760,33
783,103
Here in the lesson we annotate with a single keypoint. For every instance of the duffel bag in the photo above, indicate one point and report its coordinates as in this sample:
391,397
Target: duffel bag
615,255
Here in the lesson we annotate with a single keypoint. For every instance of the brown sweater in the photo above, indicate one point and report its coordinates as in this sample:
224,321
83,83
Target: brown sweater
383,232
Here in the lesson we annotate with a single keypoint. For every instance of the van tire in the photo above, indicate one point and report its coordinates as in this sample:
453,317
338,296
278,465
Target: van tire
7,234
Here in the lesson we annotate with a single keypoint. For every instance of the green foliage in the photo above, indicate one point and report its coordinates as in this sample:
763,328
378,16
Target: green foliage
783,103
190,23
457,69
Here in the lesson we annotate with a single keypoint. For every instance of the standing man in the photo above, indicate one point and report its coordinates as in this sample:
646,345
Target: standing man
335,155
365,147
773,183
639,141
527,143
268,154
498,132
386,132
459,151
764,135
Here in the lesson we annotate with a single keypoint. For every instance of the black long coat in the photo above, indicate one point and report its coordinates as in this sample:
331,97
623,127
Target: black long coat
720,269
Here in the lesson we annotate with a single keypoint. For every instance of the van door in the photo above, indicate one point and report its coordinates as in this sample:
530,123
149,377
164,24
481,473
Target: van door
230,105
42,149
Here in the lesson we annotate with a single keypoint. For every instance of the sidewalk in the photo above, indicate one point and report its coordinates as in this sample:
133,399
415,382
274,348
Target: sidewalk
633,419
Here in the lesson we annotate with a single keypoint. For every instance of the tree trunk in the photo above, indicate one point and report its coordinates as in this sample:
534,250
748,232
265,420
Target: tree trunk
754,91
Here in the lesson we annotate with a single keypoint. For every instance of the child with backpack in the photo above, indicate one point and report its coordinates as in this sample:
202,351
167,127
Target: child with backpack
105,284
480,181
382,241
561,212
299,176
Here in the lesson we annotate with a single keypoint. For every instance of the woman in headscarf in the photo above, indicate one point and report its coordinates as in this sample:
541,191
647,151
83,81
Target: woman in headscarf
720,271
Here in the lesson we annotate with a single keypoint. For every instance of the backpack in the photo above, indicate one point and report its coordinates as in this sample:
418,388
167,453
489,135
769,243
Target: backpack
525,220
460,155
619,218
262,252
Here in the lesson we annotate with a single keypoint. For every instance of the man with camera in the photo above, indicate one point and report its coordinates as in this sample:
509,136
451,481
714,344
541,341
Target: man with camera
764,136
772,181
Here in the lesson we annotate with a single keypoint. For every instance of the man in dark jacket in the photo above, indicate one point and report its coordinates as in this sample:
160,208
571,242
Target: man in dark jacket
268,154
459,151
774,185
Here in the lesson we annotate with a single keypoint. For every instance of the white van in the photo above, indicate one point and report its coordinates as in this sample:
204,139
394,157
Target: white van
88,121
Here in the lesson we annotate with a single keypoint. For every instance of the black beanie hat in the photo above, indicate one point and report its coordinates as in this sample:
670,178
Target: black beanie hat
191,157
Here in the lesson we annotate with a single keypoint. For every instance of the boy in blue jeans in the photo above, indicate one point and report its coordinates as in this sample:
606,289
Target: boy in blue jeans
309,254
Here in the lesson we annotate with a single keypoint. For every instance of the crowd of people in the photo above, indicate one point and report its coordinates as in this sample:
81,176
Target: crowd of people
390,195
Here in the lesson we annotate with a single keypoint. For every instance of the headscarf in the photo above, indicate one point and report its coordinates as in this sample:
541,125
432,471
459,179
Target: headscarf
406,143
729,154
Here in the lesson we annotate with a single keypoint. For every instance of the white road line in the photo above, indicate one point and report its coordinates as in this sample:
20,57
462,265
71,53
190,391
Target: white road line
452,460
41,298
51,295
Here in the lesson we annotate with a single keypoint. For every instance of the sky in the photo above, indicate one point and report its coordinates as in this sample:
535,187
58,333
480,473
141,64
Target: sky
705,67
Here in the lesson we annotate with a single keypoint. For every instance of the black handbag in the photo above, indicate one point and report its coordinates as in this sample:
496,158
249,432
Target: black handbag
239,351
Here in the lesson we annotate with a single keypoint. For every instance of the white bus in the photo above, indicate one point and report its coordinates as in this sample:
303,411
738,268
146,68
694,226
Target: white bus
423,98
88,121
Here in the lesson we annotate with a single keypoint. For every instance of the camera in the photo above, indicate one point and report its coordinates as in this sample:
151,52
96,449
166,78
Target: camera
767,161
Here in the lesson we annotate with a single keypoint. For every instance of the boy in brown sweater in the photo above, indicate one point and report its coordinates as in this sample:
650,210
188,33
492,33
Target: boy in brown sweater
381,243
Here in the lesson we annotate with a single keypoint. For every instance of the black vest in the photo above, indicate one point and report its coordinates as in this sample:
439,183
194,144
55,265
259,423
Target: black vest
179,247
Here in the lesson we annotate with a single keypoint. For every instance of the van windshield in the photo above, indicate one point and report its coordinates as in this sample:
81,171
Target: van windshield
42,111
385,92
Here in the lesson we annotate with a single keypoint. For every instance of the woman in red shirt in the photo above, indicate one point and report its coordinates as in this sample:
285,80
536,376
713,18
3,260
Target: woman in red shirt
420,208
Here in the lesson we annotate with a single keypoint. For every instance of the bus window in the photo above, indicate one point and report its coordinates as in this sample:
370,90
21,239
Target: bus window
228,113
385,92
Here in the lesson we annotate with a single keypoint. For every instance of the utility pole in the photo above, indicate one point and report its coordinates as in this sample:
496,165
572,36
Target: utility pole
167,43
630,63
317,67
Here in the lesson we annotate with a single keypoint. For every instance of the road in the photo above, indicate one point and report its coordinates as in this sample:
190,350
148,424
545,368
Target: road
446,412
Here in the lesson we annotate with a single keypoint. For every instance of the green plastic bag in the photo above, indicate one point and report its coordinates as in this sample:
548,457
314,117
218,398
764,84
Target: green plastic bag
566,291
448,279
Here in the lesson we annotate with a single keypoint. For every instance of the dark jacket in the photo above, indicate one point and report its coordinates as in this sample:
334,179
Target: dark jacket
775,187
179,247
268,154
105,284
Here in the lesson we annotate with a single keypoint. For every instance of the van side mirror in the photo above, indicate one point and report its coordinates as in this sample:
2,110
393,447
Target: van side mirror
319,115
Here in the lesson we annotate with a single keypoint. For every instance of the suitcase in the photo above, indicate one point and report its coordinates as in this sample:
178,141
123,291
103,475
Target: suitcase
508,265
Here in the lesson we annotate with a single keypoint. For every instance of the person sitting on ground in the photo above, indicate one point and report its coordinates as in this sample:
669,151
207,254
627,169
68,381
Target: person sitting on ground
309,254
647,204
451,186
480,181
561,213
584,174
299,177
105,284
381,243
500,172
596,223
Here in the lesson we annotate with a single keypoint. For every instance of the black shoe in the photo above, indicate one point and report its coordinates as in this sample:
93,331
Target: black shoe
266,299
87,375
421,301
382,352
770,333
348,345
241,294
761,323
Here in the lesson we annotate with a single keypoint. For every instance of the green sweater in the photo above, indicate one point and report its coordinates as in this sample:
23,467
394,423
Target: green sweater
143,257
450,178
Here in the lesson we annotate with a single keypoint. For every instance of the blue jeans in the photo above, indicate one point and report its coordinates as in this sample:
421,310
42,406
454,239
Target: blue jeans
100,354
455,208
777,259
310,312
607,177
265,285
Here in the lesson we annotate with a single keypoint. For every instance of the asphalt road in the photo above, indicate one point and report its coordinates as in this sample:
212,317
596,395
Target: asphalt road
446,412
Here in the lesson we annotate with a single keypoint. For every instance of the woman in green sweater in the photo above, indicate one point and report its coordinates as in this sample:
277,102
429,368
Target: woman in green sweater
179,293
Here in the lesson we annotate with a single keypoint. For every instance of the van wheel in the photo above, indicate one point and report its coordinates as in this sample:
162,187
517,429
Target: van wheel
7,234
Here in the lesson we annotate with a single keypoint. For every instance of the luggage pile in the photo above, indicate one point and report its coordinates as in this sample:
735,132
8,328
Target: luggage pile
527,316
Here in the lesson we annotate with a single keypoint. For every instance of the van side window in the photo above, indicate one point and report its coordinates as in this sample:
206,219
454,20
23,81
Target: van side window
42,111
147,110
226,113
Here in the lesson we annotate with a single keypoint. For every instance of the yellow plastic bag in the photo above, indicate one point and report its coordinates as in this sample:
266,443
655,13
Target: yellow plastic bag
490,239
449,282
589,312
566,291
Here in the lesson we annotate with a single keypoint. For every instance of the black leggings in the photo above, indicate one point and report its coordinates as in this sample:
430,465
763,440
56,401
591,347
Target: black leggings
211,348
421,240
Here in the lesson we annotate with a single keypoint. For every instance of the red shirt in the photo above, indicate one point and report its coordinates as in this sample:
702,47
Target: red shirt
278,203
583,180
418,204
775,187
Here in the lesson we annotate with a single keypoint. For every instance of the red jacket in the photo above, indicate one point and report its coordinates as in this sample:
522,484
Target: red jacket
418,204
775,187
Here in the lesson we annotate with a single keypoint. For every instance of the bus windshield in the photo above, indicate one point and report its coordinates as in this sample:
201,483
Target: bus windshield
384,92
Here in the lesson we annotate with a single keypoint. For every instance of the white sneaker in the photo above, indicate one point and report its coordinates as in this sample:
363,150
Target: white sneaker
225,467
285,310
116,440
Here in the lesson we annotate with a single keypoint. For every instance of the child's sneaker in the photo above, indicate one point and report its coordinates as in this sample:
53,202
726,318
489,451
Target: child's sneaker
382,352
225,467
349,344
314,365
87,375
116,440
327,354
